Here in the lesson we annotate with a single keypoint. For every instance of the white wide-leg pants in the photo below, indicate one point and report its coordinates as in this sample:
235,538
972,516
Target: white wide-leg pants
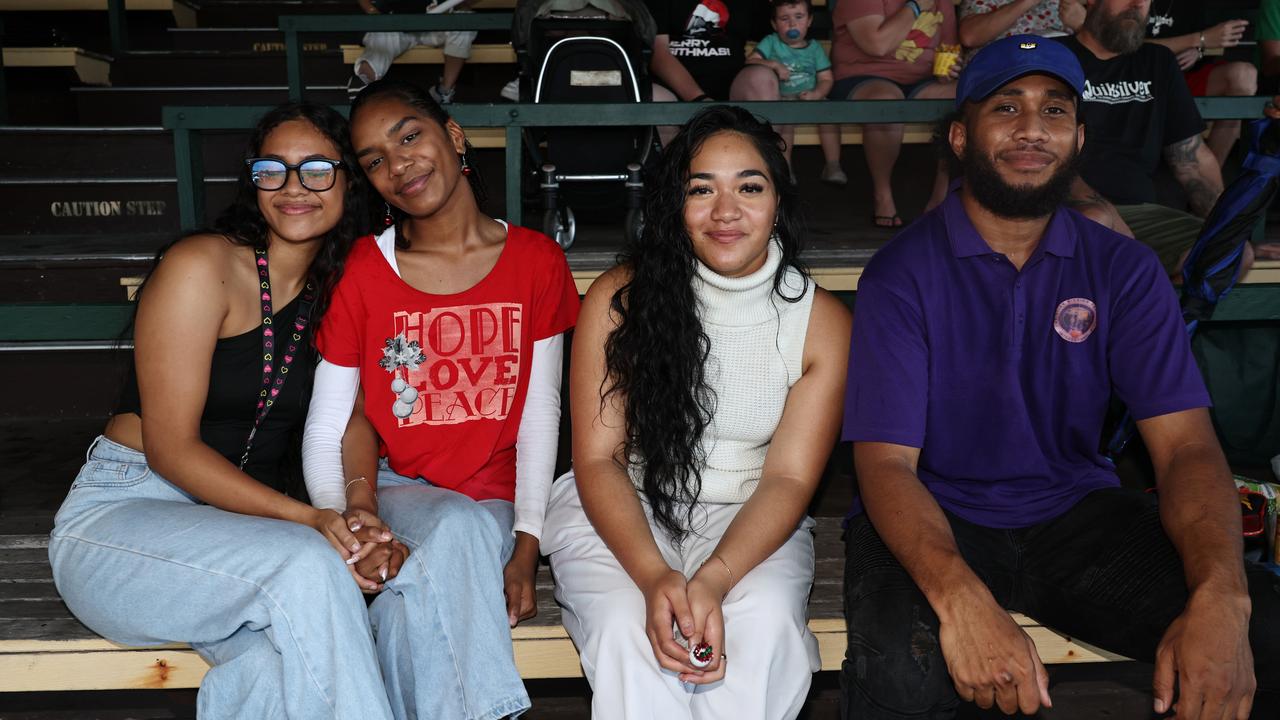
771,653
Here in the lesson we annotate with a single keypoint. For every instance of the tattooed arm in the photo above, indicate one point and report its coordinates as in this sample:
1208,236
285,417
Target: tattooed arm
1091,204
1196,169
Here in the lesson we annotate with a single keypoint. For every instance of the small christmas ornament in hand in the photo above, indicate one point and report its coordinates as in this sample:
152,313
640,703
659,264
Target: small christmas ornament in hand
399,356
700,655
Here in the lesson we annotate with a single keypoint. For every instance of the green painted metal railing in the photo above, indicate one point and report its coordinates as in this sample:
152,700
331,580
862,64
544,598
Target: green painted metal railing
187,123
294,25
90,326
118,26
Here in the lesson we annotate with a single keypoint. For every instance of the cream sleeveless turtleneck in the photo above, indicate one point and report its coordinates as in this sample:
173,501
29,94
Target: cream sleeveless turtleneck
757,342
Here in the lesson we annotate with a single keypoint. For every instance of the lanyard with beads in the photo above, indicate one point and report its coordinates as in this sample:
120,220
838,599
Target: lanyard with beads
273,373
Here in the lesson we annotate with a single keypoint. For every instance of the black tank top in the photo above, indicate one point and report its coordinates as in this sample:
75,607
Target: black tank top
235,379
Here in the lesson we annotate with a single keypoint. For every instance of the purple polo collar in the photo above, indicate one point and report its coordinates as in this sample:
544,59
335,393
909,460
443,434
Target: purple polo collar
965,241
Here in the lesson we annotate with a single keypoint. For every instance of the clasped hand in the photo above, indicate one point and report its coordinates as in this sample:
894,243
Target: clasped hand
692,607
371,552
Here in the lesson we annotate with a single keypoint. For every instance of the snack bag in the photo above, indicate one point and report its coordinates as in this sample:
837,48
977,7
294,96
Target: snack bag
1267,515
943,58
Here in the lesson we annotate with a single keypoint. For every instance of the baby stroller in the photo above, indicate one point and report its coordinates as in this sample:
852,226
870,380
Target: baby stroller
585,51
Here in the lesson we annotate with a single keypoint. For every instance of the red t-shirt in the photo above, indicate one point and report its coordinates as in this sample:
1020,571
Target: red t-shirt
466,355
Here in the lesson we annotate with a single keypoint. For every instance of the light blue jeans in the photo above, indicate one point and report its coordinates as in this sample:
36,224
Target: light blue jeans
268,603
441,624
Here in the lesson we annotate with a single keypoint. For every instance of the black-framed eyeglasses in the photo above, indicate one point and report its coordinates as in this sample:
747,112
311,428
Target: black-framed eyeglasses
316,175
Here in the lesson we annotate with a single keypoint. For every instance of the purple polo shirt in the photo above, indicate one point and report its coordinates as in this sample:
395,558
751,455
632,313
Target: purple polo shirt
1002,377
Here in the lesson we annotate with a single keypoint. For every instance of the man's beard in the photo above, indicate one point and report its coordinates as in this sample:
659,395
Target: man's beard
1112,34
1017,202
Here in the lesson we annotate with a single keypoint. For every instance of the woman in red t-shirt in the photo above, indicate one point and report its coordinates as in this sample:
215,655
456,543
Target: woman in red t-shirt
449,327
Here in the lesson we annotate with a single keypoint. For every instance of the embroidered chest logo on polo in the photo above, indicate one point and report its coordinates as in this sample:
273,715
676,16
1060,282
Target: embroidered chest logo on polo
1075,319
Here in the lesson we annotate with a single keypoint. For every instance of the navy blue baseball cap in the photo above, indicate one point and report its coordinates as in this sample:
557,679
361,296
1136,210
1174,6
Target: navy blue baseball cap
1010,58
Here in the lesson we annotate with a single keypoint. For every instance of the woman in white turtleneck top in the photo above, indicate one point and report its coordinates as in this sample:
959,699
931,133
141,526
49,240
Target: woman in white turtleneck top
707,382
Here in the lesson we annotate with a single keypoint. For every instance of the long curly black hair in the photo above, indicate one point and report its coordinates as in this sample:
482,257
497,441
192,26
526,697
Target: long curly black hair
242,222
416,97
657,354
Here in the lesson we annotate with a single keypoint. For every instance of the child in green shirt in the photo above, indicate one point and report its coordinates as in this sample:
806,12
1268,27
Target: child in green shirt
803,70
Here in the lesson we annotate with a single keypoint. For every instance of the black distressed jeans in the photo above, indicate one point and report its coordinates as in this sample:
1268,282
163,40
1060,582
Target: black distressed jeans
1103,572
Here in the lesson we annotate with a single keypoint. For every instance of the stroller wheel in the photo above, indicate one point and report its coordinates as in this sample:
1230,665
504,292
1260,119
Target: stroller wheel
560,225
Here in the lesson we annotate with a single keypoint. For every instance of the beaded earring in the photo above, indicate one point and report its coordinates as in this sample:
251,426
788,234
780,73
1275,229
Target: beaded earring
466,167
388,219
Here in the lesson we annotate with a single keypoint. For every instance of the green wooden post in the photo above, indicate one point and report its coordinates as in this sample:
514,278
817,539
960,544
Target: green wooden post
4,97
515,152
190,166
293,59
119,27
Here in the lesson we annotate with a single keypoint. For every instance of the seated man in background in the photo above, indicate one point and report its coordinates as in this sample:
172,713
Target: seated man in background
988,340
1181,27
1139,111
382,48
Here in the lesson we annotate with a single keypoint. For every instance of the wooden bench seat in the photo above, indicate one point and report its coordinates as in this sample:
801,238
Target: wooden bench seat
91,68
482,53
184,15
42,647
806,135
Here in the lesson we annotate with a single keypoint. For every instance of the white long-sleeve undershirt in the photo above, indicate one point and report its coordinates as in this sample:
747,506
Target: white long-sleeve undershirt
537,439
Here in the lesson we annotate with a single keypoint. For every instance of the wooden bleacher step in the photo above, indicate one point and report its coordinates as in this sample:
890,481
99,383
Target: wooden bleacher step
224,67
183,12
91,68
265,13
267,39
106,181
142,105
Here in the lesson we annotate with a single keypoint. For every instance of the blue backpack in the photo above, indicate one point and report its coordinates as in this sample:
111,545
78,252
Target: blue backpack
1212,266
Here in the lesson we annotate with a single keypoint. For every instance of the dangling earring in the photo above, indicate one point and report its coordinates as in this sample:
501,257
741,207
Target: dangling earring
466,167
774,237
388,219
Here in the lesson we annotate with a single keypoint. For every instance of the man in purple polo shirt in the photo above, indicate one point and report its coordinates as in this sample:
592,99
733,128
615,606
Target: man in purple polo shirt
988,338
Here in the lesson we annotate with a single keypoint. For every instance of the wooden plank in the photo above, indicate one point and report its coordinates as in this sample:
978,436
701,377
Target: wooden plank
90,68
29,575
542,653
110,670
481,53
74,5
805,136
1263,271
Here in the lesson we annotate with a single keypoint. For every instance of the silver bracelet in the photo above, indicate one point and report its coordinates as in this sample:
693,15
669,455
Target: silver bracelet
351,482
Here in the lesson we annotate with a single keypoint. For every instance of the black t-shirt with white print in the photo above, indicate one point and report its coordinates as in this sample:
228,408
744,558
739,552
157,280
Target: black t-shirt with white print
1171,18
708,37
1133,107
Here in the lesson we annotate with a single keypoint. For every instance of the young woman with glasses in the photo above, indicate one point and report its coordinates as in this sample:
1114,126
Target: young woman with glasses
178,527
446,334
